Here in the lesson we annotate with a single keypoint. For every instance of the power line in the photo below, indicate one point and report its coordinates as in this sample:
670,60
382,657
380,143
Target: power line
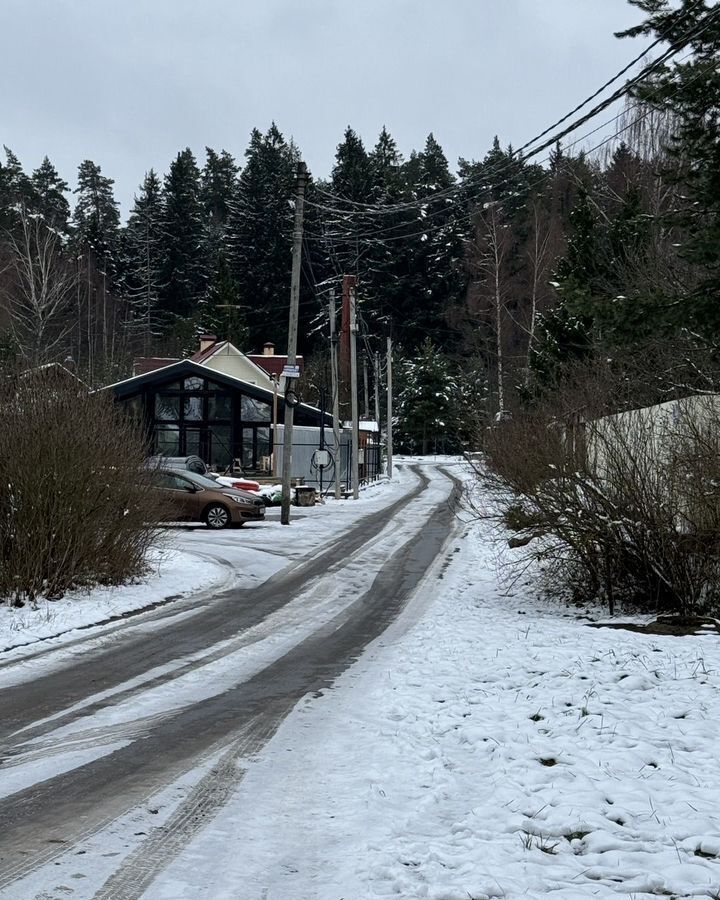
379,234
692,33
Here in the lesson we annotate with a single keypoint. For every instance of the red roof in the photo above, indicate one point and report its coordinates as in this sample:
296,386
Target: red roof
143,365
201,355
273,364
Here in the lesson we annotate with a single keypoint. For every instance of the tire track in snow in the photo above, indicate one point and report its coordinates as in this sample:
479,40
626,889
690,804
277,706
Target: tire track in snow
139,770
131,653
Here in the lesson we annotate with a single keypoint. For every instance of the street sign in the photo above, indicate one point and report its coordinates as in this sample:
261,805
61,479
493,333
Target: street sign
291,371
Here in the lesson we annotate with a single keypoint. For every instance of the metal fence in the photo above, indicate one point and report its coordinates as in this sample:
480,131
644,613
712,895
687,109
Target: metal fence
306,443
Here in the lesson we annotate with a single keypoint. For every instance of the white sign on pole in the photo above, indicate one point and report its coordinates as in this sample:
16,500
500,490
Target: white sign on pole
291,371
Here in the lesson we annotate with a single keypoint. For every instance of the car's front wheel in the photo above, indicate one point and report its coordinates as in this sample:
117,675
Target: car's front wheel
217,516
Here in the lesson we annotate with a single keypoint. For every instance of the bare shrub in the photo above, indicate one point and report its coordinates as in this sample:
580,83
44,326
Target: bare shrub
75,500
625,505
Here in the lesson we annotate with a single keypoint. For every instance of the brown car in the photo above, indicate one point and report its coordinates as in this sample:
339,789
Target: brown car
195,498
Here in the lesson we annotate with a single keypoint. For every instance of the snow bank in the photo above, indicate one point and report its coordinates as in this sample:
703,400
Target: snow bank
173,574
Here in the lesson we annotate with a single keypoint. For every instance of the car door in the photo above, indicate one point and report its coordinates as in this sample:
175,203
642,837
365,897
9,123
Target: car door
188,497
180,494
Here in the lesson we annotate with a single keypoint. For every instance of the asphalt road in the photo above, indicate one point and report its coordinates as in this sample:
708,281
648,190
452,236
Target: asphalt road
51,817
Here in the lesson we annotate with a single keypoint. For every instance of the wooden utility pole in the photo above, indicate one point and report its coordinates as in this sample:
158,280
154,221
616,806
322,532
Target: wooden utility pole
366,389
389,410
335,394
300,182
354,397
348,283
377,389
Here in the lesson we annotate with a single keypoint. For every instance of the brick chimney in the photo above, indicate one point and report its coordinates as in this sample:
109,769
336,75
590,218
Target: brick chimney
206,341
269,349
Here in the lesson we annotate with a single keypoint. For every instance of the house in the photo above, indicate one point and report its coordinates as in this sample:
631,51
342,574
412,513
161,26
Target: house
223,356
218,404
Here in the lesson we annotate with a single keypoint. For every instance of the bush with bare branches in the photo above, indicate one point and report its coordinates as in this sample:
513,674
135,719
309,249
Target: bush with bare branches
75,500
625,506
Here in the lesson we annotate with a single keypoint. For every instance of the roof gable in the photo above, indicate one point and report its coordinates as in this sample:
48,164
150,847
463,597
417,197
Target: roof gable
186,367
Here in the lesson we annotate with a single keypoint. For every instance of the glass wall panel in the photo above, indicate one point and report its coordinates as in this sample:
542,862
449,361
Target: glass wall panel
192,442
167,440
192,408
263,444
248,447
220,447
219,407
167,408
255,410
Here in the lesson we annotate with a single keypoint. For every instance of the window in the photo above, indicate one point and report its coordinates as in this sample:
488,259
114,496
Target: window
254,410
167,408
219,407
194,384
167,440
192,408
220,447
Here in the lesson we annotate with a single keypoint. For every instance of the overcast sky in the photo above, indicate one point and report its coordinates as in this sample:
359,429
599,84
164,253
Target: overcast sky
128,83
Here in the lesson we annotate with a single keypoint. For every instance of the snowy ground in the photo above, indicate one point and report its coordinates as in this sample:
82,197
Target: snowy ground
486,746
495,749
173,574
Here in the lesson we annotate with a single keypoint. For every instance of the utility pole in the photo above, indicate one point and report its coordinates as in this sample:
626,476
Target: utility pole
389,410
366,395
348,283
335,393
354,397
300,182
377,389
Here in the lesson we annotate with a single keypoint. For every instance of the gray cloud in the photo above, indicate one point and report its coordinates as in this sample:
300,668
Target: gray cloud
128,83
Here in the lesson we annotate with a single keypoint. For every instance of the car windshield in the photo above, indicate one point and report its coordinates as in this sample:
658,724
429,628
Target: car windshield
202,481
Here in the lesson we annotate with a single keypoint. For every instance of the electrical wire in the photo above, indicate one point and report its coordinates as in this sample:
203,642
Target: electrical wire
688,36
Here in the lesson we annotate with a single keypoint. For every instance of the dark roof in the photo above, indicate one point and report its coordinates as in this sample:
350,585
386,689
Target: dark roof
186,367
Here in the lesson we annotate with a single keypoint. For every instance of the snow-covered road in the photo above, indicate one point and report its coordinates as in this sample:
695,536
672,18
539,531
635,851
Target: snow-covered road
94,732
484,744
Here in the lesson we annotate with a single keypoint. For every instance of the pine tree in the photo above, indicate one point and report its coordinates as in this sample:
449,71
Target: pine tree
96,218
49,195
183,272
16,190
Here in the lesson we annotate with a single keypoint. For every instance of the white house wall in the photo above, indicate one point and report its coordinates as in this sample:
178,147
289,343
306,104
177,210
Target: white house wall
233,363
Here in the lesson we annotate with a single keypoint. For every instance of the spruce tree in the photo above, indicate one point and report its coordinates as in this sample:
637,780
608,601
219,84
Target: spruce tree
259,235
143,249
218,187
427,408
183,272
434,249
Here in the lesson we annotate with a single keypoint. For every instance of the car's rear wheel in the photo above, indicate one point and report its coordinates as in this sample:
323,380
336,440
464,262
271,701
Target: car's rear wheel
217,516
